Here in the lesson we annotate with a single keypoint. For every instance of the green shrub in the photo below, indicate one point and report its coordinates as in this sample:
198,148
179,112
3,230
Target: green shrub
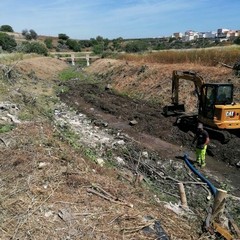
68,74
98,49
7,42
237,41
136,46
48,43
73,45
34,47
6,128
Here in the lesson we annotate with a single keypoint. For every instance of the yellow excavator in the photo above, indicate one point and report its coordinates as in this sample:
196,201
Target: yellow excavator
216,108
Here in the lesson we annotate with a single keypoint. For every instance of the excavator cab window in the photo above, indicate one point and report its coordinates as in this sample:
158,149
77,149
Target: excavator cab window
209,101
214,94
224,94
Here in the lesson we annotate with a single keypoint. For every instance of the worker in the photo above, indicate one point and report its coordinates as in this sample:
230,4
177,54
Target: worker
202,138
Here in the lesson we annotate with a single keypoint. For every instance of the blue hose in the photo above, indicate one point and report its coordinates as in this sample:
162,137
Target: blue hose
210,185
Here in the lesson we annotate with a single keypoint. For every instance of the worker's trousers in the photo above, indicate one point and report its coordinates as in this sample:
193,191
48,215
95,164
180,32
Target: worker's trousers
200,154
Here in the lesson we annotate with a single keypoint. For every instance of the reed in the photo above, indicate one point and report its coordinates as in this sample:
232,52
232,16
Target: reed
206,57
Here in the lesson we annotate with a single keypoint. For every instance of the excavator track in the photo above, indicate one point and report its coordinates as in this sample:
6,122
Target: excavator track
189,123
222,136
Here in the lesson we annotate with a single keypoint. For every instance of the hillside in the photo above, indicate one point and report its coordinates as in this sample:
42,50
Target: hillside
73,168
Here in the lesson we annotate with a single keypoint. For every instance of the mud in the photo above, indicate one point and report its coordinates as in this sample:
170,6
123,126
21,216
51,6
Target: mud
151,130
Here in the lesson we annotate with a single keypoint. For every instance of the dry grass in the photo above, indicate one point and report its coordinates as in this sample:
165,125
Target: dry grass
44,195
205,57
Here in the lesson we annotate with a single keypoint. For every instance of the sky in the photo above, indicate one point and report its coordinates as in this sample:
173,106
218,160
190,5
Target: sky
85,19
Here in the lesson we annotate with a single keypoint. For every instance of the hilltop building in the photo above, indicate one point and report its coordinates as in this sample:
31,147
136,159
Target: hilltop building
222,34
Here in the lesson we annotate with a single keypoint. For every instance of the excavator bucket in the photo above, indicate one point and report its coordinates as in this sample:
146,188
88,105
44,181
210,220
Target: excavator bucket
174,110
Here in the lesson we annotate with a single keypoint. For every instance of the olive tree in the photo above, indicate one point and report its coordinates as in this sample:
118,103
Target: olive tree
63,36
29,35
6,28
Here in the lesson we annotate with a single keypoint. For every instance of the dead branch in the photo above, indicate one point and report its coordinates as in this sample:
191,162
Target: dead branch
233,223
10,69
226,65
116,218
98,188
138,228
171,194
7,70
3,142
109,197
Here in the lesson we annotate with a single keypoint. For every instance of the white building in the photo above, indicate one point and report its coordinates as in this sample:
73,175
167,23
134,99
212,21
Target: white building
190,35
211,34
232,33
222,32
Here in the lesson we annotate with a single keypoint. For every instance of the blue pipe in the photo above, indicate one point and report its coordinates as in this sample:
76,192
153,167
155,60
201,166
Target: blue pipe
210,185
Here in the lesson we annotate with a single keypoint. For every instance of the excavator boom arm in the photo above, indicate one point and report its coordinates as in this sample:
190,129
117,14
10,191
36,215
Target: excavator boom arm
186,75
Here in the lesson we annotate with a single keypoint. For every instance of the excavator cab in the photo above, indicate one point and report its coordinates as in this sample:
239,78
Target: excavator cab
216,106
214,94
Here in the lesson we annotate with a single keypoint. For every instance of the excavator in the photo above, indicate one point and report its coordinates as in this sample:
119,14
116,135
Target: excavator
217,110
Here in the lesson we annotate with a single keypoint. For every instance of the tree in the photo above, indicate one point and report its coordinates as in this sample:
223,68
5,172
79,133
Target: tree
98,49
85,43
33,34
7,42
24,32
117,43
6,28
136,46
99,39
34,47
29,35
63,36
93,41
73,45
237,41
48,43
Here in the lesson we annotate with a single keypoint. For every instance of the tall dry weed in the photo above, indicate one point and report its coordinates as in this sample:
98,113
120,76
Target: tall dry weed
205,57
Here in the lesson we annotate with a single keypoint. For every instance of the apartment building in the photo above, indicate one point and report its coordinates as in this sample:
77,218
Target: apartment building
190,35
222,34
